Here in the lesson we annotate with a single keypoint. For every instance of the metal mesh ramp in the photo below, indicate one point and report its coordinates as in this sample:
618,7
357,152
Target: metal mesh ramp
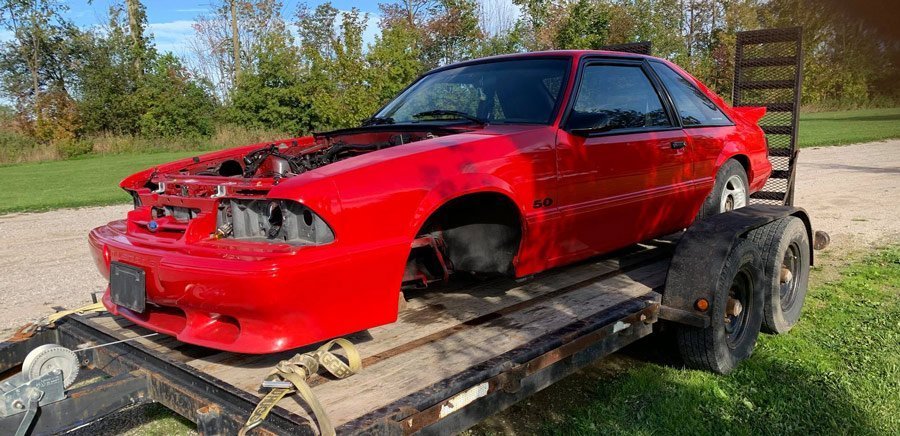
769,72
643,47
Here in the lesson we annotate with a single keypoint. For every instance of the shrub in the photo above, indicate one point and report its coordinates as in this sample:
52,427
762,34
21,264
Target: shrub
69,148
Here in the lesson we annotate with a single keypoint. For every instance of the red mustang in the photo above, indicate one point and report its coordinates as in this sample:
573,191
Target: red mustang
511,165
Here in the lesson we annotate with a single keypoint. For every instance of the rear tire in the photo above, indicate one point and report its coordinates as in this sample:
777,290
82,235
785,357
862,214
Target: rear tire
784,245
733,330
730,191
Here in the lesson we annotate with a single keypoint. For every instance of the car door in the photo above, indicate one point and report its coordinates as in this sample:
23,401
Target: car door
623,161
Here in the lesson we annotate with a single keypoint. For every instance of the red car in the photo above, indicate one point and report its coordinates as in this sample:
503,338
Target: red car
511,165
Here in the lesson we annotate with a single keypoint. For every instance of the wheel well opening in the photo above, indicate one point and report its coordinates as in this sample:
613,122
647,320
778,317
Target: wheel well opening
744,161
478,233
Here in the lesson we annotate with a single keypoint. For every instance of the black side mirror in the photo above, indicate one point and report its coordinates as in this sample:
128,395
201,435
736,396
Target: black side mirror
589,123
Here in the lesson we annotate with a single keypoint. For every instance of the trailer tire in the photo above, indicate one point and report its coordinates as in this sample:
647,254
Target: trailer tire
723,344
731,185
784,245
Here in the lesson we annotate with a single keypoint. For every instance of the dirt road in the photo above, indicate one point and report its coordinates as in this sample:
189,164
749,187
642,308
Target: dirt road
852,192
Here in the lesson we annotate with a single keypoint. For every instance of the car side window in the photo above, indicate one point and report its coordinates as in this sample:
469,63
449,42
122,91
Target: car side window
694,107
616,97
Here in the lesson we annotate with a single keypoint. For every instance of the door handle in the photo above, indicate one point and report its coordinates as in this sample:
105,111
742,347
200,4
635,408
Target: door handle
678,144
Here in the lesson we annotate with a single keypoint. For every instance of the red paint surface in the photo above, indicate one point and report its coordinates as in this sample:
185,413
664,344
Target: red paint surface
257,297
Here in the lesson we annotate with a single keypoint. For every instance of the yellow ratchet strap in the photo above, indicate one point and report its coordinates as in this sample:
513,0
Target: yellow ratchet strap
29,329
90,308
297,370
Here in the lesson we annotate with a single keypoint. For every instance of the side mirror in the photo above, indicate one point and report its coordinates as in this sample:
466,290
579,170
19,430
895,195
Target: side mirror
591,123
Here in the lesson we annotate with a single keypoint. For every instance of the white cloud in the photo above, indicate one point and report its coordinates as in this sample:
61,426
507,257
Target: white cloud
172,36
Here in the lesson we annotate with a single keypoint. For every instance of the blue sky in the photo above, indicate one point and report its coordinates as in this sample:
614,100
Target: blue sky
170,20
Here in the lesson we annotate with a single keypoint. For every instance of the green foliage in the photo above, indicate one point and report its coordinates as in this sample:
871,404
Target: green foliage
272,95
173,105
108,81
393,62
586,26
70,148
336,83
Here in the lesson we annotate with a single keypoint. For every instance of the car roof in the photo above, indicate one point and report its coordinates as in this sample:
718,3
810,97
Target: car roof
547,54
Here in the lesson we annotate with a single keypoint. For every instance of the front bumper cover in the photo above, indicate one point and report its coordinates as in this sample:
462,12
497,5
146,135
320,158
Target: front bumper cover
252,301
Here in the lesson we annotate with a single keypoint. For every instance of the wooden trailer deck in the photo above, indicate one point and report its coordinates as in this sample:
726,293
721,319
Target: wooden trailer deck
447,340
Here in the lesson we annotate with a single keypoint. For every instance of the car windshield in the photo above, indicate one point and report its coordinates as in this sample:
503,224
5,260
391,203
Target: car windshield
522,91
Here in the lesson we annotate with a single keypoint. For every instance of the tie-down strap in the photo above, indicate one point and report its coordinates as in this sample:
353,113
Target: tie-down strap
297,370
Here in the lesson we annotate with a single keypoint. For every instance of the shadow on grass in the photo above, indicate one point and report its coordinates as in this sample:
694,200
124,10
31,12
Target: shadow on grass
657,396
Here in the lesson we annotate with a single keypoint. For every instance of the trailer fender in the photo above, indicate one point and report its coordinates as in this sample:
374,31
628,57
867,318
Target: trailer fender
701,253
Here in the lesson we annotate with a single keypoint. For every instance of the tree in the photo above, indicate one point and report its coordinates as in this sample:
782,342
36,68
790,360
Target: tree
271,95
125,87
393,62
585,27
227,40
446,31
37,58
112,73
172,104
137,22
335,65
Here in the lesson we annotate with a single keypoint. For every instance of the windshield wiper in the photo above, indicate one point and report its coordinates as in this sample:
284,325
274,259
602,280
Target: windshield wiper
457,114
376,120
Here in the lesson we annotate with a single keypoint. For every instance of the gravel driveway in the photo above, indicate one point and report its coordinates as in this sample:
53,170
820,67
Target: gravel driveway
852,192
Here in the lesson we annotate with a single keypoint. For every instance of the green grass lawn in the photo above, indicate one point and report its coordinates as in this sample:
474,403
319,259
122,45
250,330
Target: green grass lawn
72,183
837,372
849,127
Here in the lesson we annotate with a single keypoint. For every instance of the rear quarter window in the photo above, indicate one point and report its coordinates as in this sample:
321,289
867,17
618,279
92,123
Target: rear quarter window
694,107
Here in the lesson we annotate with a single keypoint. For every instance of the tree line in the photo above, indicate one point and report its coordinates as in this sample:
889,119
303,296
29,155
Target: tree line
254,65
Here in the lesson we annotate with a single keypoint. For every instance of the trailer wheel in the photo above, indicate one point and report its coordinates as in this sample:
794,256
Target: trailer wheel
735,315
784,245
730,191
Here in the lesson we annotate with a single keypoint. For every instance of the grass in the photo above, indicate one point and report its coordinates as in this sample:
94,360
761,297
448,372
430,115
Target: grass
849,127
837,372
72,183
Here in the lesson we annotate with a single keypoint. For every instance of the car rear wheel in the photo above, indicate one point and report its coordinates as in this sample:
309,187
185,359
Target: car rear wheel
731,190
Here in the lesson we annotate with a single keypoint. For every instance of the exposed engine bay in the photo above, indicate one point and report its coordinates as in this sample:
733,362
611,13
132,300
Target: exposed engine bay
287,159
239,183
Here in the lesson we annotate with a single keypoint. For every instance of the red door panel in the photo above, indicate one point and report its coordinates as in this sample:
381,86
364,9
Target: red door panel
615,190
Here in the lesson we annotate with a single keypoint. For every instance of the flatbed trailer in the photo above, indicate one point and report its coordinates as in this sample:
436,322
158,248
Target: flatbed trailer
454,357
459,353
